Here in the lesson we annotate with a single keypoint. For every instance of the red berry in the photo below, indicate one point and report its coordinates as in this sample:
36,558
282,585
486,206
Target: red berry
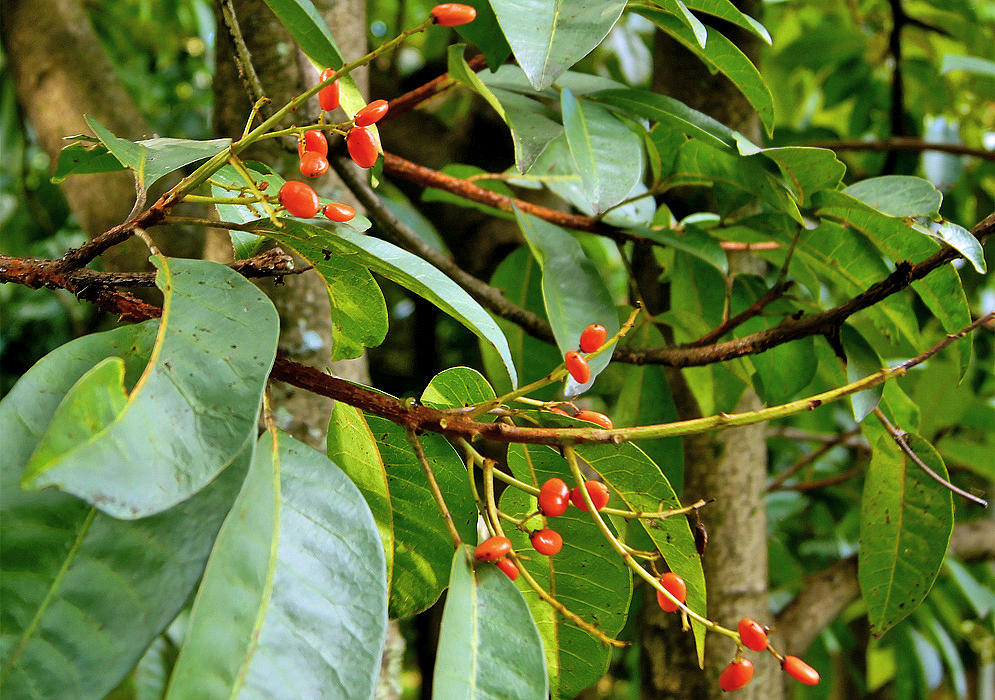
674,585
339,212
577,366
557,410
492,548
597,491
554,498
800,671
753,635
328,96
595,417
736,675
593,337
299,199
313,164
546,541
508,567
452,14
371,113
362,146
314,140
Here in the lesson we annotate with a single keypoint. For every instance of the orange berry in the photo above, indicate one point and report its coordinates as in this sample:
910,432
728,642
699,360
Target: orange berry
452,14
492,548
299,199
328,96
736,675
313,140
362,146
546,541
593,337
577,367
554,498
596,490
339,212
753,635
371,113
313,164
508,567
800,671
674,585
595,417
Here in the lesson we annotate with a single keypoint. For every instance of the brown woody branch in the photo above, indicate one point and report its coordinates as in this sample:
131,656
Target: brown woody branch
827,593
904,143
409,100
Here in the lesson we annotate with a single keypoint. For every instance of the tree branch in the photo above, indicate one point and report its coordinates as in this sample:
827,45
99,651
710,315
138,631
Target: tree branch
827,593
900,143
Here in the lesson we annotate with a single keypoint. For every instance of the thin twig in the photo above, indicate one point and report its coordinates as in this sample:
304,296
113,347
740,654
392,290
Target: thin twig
808,459
904,143
433,485
899,437
243,59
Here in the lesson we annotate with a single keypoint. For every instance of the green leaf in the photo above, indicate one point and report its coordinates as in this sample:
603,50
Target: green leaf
189,415
587,576
57,551
485,34
862,360
898,195
807,170
679,10
84,158
606,153
489,646
692,240
153,158
724,9
519,277
956,237
352,447
969,64
533,124
233,596
574,293
409,271
358,309
422,545
461,72
642,486
549,37
697,164
676,115
313,37
905,523
458,387
326,621
722,56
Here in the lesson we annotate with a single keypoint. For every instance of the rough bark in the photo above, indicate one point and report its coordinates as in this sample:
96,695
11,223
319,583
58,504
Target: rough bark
730,468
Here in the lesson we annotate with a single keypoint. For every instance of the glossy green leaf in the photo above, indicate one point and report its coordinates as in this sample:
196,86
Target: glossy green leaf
353,448
723,56
905,523
84,158
233,596
422,545
533,124
898,195
724,9
489,646
458,387
79,608
606,153
862,360
573,290
461,72
643,487
679,10
485,33
587,576
785,370
358,309
326,621
697,164
153,158
312,36
519,277
409,271
549,37
807,170
691,240
956,237
245,245
189,415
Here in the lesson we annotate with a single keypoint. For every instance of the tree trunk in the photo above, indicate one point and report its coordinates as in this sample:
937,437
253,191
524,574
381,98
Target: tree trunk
730,467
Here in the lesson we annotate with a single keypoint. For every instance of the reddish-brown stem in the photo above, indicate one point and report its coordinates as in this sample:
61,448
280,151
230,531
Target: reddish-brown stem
773,294
409,100
904,143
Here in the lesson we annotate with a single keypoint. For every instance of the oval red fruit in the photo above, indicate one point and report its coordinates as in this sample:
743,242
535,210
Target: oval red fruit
492,548
800,671
362,146
554,498
313,164
313,141
674,585
753,635
371,113
453,14
596,490
339,212
546,541
577,367
299,199
328,96
593,337
595,417
736,675
508,567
